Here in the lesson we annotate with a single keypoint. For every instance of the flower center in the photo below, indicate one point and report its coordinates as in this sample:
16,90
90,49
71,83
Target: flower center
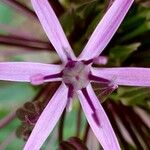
75,74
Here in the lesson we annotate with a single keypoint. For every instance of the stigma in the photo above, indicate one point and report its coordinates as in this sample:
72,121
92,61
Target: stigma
76,74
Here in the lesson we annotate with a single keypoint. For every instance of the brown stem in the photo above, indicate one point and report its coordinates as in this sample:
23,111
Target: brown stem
59,10
51,89
120,113
139,117
25,42
7,119
41,93
16,37
111,115
46,93
137,124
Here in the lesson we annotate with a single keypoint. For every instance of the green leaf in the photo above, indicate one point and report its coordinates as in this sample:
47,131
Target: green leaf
120,53
137,31
134,95
5,14
12,94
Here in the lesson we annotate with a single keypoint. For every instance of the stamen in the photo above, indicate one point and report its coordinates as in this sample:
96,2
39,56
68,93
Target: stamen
69,57
98,79
101,60
76,74
40,78
105,93
58,75
70,64
100,88
94,114
37,79
70,96
87,62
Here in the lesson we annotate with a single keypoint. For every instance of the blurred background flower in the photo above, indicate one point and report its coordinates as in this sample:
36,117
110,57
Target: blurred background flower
23,39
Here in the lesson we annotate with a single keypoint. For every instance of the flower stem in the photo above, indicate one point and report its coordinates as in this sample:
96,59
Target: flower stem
86,132
25,42
119,112
61,127
78,125
20,7
110,112
138,126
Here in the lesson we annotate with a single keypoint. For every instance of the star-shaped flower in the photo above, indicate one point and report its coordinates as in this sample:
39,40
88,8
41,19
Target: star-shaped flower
76,74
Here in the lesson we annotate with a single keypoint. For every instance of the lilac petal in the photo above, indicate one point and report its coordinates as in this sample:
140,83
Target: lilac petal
106,29
53,28
24,71
104,131
101,60
129,76
48,119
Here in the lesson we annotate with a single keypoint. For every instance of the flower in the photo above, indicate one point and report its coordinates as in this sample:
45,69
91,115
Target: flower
76,74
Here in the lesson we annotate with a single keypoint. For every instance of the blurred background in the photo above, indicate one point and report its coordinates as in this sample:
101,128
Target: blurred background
23,39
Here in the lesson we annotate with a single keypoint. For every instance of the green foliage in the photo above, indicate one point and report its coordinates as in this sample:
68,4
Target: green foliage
134,96
120,53
8,130
12,94
5,14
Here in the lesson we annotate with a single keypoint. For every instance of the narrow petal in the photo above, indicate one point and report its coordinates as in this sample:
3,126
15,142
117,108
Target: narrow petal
53,28
101,60
106,29
24,71
104,131
129,76
48,119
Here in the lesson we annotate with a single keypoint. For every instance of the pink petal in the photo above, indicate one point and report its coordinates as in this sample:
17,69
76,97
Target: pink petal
129,76
101,60
104,132
48,119
53,28
24,71
106,29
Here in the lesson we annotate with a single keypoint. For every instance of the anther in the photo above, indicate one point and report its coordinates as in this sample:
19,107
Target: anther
98,79
87,62
58,75
39,79
101,60
69,57
70,97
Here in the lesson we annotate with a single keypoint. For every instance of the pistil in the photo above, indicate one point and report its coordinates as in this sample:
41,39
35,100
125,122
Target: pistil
76,73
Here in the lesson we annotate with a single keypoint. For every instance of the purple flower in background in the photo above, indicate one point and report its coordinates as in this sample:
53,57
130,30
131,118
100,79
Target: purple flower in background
76,74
